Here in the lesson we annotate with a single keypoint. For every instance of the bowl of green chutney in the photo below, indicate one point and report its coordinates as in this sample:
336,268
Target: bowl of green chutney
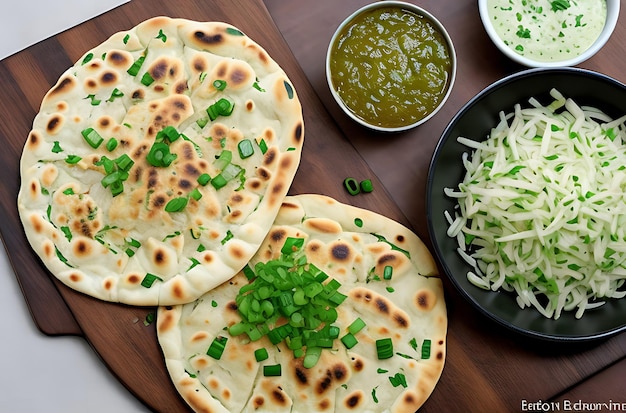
390,66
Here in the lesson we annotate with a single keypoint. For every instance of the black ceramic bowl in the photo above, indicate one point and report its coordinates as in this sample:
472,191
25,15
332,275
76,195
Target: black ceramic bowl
474,121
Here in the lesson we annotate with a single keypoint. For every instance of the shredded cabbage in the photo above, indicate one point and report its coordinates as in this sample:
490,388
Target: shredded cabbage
541,210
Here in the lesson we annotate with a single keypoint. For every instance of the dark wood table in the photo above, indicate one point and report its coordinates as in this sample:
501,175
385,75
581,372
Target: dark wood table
488,369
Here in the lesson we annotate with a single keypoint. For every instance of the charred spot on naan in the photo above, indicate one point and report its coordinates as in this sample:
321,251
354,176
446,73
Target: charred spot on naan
119,59
66,84
55,124
34,141
381,306
425,300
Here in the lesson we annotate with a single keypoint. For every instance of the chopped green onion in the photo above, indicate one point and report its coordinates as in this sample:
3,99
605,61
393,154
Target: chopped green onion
223,107
196,194
229,235
426,349
398,379
352,186
94,101
384,348
356,326
147,79
387,272
366,186
311,356
68,191
245,148
272,370
219,84
261,354
124,162
161,36
67,232
116,93
349,340
223,160
204,179
56,147
159,155
202,122
218,181
290,287
292,244
176,204
134,69
87,58
73,159
111,144
216,349
92,137
263,146
149,279
168,133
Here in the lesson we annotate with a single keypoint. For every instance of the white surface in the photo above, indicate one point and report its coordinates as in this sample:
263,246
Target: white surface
40,373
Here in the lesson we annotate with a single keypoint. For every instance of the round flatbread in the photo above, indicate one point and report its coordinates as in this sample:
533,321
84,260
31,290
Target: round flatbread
384,276
157,163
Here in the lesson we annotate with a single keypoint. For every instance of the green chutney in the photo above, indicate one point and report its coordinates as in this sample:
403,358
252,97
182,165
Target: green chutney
390,66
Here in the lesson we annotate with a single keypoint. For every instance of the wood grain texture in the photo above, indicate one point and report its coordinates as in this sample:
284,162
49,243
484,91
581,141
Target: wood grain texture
488,368
117,332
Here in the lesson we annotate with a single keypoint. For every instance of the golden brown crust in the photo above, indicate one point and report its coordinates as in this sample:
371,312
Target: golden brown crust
353,246
104,245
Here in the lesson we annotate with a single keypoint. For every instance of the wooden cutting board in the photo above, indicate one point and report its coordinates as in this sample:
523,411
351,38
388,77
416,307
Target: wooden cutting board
117,332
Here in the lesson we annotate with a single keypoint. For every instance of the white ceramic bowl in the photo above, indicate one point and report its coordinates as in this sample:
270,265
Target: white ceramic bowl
413,9
612,7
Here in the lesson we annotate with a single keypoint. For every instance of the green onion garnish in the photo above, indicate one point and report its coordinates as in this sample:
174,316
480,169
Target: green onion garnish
56,147
204,179
216,349
222,107
272,370
218,181
356,326
92,137
219,84
261,354
196,194
384,348
73,159
426,349
111,144
398,379
245,148
349,340
149,279
289,288
387,272
176,204
366,185
147,79
134,69
352,186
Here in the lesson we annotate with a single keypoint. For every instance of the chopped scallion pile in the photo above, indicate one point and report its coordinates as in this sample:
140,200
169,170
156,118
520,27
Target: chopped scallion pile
289,299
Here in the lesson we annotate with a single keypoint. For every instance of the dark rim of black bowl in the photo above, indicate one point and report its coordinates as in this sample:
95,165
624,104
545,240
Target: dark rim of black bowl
446,135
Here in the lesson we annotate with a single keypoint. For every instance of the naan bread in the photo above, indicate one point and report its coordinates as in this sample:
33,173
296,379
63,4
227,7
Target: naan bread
350,245
127,247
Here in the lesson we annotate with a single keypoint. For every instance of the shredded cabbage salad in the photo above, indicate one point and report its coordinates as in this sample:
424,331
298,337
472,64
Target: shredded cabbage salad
541,210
